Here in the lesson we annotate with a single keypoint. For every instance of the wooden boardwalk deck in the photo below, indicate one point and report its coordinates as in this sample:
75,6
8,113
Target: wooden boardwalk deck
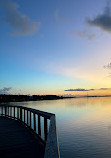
16,141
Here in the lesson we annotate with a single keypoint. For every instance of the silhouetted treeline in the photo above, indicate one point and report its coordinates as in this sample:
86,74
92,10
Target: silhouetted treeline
46,97
19,98
14,98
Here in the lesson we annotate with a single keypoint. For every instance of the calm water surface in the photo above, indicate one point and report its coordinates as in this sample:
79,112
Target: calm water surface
83,124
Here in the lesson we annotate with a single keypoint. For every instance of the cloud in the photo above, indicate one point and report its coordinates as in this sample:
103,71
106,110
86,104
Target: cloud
104,88
86,34
21,24
108,66
5,90
79,89
109,75
102,21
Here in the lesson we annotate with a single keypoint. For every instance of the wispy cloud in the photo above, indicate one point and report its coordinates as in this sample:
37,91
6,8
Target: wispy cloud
5,90
108,66
21,24
85,33
79,89
104,88
102,21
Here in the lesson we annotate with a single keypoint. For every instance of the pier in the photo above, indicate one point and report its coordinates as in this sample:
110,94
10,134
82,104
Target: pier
26,132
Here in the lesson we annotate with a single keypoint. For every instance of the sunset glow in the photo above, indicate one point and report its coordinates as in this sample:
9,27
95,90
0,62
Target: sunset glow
54,46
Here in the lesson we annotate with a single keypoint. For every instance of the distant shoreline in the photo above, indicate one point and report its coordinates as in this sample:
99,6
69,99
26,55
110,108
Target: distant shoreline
21,98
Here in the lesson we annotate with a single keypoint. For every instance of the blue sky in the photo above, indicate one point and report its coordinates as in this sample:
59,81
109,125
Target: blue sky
49,46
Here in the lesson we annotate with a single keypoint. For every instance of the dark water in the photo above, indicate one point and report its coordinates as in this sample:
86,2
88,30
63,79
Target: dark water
83,124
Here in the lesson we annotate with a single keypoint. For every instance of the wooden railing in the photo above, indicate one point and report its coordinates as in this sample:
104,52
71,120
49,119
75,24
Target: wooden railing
31,118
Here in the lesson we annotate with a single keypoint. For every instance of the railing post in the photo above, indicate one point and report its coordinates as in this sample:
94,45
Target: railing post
24,115
45,128
5,111
21,114
2,111
30,119
10,111
27,118
14,112
39,126
34,122
17,113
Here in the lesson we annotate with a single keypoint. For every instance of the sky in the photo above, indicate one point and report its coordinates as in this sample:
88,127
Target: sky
55,47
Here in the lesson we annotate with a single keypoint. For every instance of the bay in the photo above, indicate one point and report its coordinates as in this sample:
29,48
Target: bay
83,125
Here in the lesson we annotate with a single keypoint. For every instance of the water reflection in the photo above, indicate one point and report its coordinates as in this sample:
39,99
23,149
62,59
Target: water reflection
84,125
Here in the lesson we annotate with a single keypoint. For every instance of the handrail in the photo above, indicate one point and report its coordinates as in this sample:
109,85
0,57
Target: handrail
31,118
52,149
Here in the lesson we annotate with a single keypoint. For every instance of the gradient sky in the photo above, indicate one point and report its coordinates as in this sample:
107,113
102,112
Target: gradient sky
47,47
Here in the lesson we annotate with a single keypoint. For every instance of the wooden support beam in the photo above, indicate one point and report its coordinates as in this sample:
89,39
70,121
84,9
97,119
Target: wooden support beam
39,126
45,128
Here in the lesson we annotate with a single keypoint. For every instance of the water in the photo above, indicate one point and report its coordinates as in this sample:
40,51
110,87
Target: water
83,124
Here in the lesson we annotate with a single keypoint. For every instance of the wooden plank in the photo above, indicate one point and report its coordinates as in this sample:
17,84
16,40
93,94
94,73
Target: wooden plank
17,141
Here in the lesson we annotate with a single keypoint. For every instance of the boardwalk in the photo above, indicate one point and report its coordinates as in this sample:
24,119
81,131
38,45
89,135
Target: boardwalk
16,141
